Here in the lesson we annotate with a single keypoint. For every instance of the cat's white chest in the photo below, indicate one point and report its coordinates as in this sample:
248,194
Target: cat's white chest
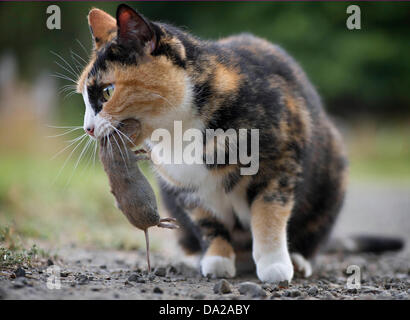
210,191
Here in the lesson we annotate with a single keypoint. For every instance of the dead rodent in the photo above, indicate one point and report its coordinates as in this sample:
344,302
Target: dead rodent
134,195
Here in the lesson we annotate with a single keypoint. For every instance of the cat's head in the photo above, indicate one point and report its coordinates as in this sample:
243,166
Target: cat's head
131,74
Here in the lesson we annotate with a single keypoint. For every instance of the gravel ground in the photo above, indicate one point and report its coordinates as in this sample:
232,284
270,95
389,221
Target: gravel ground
94,274
90,274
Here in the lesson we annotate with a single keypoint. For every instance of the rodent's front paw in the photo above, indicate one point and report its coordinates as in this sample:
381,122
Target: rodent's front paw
218,267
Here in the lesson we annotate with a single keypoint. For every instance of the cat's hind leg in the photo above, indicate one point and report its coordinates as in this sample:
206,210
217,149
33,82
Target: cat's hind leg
218,259
301,265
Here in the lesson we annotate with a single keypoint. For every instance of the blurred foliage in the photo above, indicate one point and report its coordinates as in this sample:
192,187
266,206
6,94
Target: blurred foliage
13,253
359,71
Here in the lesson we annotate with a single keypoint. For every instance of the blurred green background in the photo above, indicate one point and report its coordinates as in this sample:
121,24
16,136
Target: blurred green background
362,75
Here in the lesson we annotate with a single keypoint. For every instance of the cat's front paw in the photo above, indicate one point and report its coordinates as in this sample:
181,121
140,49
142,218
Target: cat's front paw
218,267
274,272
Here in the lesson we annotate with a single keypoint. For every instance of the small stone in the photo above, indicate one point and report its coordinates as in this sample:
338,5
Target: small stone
50,262
133,277
267,287
172,269
222,287
64,274
276,295
198,296
83,279
286,293
103,266
160,272
19,283
313,291
295,293
251,289
402,295
151,277
3,294
283,284
158,290
20,272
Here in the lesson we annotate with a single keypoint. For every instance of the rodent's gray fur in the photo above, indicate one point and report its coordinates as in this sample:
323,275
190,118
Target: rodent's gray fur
134,195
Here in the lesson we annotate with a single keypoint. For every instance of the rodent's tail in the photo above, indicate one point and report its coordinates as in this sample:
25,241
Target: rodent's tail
364,243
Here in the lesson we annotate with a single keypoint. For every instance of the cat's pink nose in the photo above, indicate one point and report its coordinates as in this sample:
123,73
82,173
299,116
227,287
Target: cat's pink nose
90,131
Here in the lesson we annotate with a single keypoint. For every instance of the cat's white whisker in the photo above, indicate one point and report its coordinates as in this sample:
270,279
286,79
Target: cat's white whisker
70,72
75,139
72,142
79,66
90,158
124,135
95,150
122,140
80,57
65,61
82,46
64,127
122,155
123,143
69,156
80,157
64,77
63,134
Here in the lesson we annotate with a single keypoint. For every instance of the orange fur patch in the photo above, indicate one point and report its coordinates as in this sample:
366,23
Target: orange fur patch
226,80
103,26
269,221
152,88
220,247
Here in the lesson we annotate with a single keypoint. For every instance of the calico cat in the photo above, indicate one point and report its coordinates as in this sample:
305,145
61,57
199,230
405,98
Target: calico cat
158,74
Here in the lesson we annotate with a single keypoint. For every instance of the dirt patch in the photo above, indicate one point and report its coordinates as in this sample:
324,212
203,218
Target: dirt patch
94,274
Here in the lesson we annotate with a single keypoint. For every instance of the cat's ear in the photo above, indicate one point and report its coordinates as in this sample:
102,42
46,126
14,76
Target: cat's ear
102,25
134,29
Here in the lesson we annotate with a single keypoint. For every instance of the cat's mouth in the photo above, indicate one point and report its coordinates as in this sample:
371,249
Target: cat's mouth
124,134
121,140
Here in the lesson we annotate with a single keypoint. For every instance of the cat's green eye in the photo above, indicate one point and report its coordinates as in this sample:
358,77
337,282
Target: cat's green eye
108,92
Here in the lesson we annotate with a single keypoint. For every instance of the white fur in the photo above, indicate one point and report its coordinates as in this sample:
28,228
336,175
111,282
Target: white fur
218,267
89,115
272,265
91,120
301,264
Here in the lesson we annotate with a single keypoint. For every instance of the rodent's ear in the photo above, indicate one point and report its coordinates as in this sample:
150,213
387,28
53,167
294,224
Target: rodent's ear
134,29
102,26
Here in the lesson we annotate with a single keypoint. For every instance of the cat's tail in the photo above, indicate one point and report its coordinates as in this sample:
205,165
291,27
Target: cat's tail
364,243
